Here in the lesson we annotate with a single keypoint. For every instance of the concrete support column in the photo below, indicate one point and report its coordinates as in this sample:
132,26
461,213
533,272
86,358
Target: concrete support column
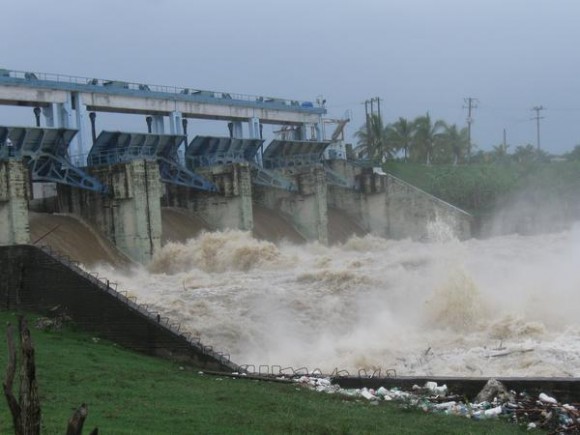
175,123
233,210
238,131
311,214
83,141
131,216
243,188
158,124
254,128
307,209
52,115
66,113
302,132
60,115
319,131
14,196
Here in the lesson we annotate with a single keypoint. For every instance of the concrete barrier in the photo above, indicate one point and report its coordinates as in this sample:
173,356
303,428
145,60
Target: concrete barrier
34,280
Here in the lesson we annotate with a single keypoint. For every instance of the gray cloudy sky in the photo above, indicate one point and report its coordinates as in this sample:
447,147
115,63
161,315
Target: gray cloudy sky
417,55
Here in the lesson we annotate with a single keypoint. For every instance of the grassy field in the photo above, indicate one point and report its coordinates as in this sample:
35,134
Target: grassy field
477,188
128,393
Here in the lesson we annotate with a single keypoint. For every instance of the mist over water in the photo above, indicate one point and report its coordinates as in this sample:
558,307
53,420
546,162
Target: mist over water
505,306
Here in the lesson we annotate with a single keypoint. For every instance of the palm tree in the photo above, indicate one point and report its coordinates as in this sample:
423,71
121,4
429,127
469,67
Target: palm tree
400,136
372,140
457,141
525,154
426,136
500,153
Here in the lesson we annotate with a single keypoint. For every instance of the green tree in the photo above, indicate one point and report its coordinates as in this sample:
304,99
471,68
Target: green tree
400,136
455,144
426,137
574,154
525,154
372,140
500,154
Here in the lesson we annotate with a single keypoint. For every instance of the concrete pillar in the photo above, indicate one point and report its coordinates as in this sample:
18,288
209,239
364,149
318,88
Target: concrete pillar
131,215
243,188
14,196
351,202
319,131
175,123
254,128
83,140
310,214
60,115
302,132
307,209
238,131
231,208
158,125
52,115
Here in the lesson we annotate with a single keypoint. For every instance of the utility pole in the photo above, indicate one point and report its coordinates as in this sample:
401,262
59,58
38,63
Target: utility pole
367,119
538,109
371,114
371,103
471,104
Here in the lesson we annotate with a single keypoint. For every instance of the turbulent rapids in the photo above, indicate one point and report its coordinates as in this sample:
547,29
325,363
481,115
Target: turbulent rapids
504,306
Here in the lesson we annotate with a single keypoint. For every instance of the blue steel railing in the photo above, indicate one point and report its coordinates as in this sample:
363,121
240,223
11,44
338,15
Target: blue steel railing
118,86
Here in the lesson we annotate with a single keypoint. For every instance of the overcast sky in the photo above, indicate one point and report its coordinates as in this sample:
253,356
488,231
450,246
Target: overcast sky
418,56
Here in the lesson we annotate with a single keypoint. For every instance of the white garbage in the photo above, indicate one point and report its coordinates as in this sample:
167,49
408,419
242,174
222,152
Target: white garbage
547,399
493,412
445,405
368,395
435,389
383,392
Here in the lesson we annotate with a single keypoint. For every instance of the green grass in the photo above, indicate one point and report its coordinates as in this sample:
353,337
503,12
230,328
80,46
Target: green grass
128,393
482,189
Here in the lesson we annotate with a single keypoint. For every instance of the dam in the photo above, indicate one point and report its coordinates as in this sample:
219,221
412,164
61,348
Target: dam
119,182
121,196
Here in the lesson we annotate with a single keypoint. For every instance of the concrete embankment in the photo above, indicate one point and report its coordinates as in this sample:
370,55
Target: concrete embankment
35,280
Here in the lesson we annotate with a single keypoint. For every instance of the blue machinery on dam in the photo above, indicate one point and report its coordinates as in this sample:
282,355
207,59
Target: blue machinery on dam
46,151
67,103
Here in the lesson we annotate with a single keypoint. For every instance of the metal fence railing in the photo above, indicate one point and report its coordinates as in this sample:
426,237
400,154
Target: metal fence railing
111,84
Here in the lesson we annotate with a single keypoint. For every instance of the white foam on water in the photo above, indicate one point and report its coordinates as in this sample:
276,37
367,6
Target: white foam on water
505,306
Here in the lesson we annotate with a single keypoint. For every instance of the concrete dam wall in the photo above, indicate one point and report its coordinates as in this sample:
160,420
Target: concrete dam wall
130,215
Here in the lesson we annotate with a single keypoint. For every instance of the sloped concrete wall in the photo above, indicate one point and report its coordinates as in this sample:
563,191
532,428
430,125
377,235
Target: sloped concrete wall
130,216
14,195
409,210
389,207
35,281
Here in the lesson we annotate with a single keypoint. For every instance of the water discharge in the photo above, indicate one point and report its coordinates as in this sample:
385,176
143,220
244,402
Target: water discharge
504,306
